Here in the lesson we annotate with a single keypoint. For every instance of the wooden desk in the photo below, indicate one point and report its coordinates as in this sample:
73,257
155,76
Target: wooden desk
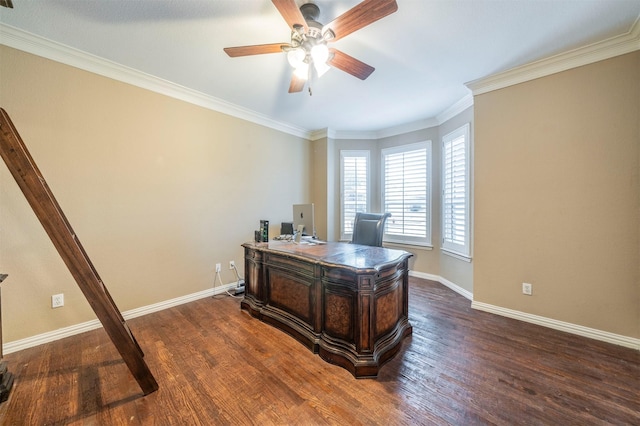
346,302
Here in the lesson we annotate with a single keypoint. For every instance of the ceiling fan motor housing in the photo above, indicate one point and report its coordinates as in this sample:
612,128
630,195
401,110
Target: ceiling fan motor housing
310,11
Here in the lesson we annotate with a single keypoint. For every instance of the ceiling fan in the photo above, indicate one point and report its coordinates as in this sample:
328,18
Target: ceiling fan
308,50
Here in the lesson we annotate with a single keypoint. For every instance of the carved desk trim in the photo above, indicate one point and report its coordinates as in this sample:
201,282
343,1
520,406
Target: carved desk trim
346,302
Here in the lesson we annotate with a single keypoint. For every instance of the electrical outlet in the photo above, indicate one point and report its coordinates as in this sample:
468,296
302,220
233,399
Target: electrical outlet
57,300
218,267
527,289
232,264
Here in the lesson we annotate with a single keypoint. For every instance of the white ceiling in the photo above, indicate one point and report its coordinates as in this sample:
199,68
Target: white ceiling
423,54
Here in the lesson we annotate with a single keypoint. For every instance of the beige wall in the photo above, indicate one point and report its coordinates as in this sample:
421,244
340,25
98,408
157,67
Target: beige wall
157,190
323,203
557,196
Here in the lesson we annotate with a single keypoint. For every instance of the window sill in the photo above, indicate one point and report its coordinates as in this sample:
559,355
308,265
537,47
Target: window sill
415,245
456,255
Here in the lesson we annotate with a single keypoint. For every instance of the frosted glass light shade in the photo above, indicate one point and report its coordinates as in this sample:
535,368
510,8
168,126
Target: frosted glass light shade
320,53
302,71
321,68
296,57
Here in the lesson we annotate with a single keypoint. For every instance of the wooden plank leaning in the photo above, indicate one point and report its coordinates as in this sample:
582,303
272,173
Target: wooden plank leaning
44,205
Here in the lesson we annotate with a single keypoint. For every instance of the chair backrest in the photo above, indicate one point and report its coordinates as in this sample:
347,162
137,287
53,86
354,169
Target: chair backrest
368,228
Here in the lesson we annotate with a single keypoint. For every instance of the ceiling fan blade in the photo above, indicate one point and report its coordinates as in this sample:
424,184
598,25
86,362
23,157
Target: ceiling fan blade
291,13
349,64
360,16
256,49
6,3
297,83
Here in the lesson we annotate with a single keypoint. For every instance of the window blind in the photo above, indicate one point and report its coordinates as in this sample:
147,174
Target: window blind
354,187
455,191
406,193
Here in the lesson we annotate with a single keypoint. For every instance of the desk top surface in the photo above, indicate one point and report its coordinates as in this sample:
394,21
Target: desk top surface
342,254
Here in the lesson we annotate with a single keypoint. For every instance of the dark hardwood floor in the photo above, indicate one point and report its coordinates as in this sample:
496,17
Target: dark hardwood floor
217,365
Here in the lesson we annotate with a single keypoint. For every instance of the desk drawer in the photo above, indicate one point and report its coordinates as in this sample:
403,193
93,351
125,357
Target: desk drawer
290,264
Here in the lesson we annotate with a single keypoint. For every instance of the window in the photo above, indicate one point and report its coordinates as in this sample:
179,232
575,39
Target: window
406,193
455,192
354,188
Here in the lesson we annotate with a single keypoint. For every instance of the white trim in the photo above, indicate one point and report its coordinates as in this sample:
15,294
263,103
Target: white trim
40,46
344,134
61,333
456,255
617,339
455,109
592,333
461,291
31,43
614,46
401,129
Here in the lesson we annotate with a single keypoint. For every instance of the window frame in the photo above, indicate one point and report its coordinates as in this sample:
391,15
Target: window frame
449,245
344,235
408,239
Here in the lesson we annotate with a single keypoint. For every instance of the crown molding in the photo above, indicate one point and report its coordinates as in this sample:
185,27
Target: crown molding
455,109
413,126
614,46
31,43
375,134
426,123
341,134
40,46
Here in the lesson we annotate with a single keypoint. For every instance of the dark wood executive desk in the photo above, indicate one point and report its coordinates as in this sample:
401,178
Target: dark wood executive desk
346,302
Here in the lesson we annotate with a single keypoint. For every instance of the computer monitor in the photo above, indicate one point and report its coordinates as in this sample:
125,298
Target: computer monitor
303,215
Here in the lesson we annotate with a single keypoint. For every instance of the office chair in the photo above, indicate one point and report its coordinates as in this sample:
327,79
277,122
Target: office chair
368,228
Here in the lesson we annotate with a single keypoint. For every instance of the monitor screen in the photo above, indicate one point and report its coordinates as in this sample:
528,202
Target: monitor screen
303,215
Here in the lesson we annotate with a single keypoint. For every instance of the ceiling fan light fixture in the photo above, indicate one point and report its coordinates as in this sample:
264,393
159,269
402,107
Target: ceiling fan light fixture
328,35
309,39
302,71
321,68
296,57
320,53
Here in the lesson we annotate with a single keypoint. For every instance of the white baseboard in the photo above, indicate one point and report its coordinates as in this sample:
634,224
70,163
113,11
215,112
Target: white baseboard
455,287
592,333
61,333
579,330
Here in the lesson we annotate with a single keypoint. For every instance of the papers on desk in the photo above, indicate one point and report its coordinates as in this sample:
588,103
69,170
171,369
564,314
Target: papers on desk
309,240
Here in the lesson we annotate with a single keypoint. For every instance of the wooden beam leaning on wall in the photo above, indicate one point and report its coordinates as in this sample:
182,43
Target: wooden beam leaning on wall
44,205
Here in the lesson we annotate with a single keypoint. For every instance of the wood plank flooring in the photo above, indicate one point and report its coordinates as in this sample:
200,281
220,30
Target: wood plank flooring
217,365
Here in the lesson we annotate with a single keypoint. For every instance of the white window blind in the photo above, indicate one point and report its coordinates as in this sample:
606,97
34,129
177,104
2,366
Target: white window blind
406,193
354,188
455,191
